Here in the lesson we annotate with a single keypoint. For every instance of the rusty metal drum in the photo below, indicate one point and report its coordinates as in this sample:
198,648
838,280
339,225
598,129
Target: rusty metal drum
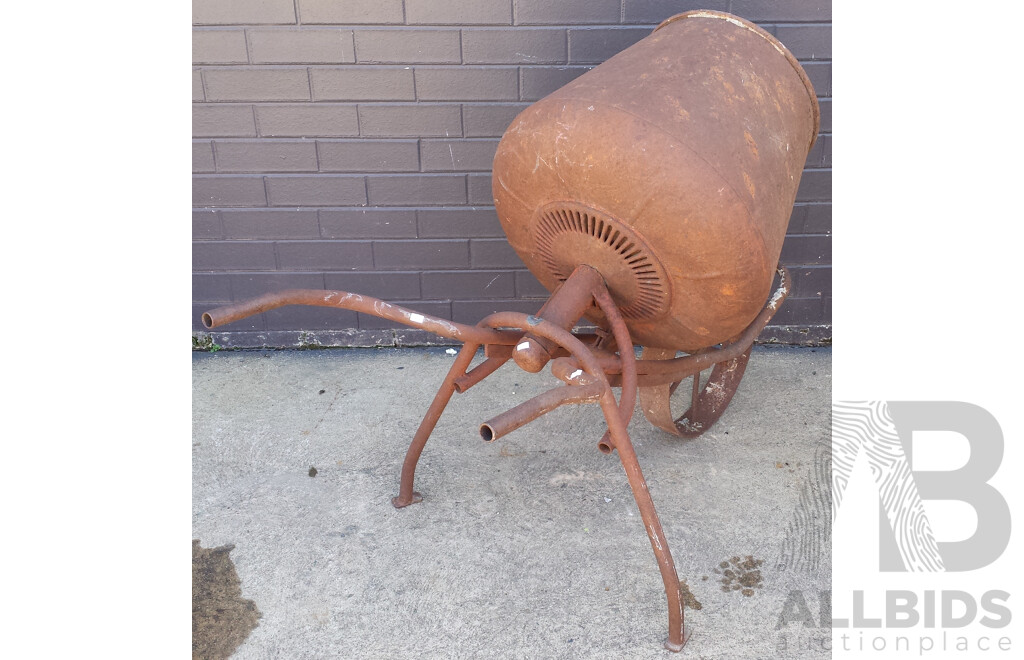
672,169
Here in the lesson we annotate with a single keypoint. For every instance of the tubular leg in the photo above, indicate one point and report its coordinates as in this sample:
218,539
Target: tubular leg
617,428
676,634
406,495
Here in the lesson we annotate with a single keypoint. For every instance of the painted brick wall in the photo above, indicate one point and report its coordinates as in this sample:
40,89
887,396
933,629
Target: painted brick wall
347,144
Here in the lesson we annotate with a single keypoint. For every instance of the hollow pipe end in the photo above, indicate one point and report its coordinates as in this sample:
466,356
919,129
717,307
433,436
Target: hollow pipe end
207,320
487,433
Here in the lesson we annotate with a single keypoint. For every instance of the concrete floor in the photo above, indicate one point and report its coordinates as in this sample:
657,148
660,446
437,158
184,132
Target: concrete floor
529,547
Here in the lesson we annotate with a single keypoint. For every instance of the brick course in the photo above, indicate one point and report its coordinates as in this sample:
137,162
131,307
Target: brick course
299,46
348,145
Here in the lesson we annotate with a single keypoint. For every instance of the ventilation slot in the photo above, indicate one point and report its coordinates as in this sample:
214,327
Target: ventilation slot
568,235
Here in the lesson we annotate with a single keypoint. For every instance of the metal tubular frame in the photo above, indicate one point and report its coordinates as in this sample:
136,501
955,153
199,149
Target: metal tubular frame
582,362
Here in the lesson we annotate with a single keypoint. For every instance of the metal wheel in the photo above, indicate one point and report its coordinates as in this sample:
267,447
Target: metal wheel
707,403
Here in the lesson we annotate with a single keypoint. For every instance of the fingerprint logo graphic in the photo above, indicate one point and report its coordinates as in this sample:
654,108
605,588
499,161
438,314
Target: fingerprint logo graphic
807,545
868,427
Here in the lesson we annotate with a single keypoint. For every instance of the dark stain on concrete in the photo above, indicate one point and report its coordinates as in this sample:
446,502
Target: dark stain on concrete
743,575
221,618
689,600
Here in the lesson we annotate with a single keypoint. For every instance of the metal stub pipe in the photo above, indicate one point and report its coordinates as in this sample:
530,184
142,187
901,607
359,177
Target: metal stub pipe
531,355
541,404
564,308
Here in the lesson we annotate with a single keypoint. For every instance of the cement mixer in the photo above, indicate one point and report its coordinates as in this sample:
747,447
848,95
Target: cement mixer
650,196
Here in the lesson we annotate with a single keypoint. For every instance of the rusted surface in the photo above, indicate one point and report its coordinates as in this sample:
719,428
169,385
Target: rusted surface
651,196
566,305
542,404
357,303
672,169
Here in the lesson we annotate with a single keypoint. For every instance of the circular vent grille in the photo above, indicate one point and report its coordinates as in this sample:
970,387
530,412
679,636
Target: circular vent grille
568,235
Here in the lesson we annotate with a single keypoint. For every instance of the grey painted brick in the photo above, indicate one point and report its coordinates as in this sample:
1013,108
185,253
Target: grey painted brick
416,254
807,42
223,121
350,11
820,74
434,308
270,223
256,84
496,253
418,189
815,186
266,156
825,144
598,44
800,311
468,285
319,120
211,287
293,45
202,156
825,106
783,10
198,94
810,281
514,46
367,223
218,47
566,12
232,255
815,155
528,286
316,190
310,318
818,219
206,224
457,155
459,222
410,120
471,311
383,285
408,46
538,82
325,255
806,249
228,191
655,11
478,188
250,285
458,12
363,83
369,156
242,12
466,83
489,120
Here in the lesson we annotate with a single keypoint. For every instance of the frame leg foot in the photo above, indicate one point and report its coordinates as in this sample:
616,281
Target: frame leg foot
674,647
406,495
400,503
